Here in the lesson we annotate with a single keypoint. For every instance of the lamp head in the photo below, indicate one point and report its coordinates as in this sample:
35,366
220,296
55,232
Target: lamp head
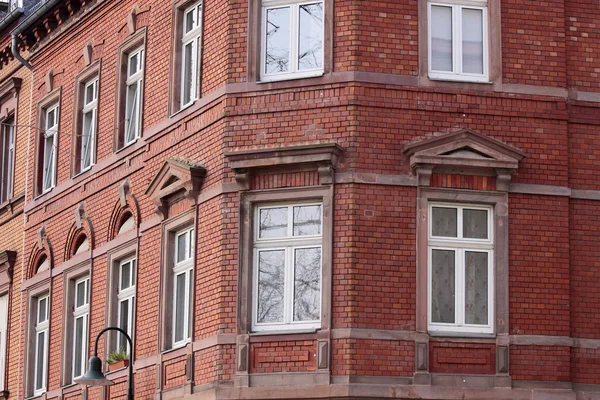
94,376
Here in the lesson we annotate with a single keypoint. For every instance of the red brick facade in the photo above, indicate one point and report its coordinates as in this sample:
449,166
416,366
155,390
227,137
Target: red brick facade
371,140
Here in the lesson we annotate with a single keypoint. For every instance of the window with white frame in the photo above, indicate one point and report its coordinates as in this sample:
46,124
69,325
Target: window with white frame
287,267
183,286
50,138
458,40
80,326
461,268
7,158
41,345
133,96
292,39
3,338
190,52
126,299
87,148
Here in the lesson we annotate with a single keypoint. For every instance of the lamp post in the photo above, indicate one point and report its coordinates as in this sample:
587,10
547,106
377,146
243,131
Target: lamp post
95,376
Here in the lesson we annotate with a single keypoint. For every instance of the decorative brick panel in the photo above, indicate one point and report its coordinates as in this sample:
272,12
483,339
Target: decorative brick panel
293,356
462,358
463,182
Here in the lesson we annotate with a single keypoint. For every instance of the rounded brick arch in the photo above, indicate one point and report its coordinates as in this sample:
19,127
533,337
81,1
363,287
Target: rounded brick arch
42,249
121,212
76,236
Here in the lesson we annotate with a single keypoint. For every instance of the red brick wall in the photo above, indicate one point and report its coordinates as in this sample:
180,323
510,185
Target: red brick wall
540,363
539,265
533,43
552,258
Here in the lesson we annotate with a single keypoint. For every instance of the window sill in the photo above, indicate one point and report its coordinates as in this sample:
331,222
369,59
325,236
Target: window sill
183,108
290,77
462,335
83,172
44,193
125,147
70,387
459,78
284,332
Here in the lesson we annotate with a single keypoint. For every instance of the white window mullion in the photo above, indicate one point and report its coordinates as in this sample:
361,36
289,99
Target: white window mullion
289,285
460,287
458,11
294,26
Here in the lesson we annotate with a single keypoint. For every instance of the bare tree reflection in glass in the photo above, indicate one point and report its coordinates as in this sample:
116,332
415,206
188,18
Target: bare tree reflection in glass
278,40
271,267
310,40
307,284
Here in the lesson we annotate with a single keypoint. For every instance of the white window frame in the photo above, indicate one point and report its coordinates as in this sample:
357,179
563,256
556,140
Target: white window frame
49,170
289,244
461,245
293,72
132,79
456,74
184,267
81,312
89,106
8,152
3,337
41,327
194,36
127,294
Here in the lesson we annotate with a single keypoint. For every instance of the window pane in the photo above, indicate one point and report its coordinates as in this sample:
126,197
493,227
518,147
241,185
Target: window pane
476,288
182,241
190,20
131,116
188,79
48,161
133,268
51,118
273,222
124,318
87,139
442,286
475,224
310,40
271,275
81,295
472,41
307,220
90,93
307,284
133,63
180,307
444,222
441,38
125,275
189,301
39,362
278,40
78,351
43,310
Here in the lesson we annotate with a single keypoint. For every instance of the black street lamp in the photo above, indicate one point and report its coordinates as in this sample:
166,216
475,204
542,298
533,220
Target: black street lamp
95,376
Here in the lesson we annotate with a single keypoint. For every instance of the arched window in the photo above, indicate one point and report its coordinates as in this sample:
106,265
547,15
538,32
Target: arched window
43,265
83,245
127,223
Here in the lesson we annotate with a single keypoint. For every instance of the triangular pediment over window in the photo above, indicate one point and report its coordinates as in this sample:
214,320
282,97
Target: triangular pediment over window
177,176
463,151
